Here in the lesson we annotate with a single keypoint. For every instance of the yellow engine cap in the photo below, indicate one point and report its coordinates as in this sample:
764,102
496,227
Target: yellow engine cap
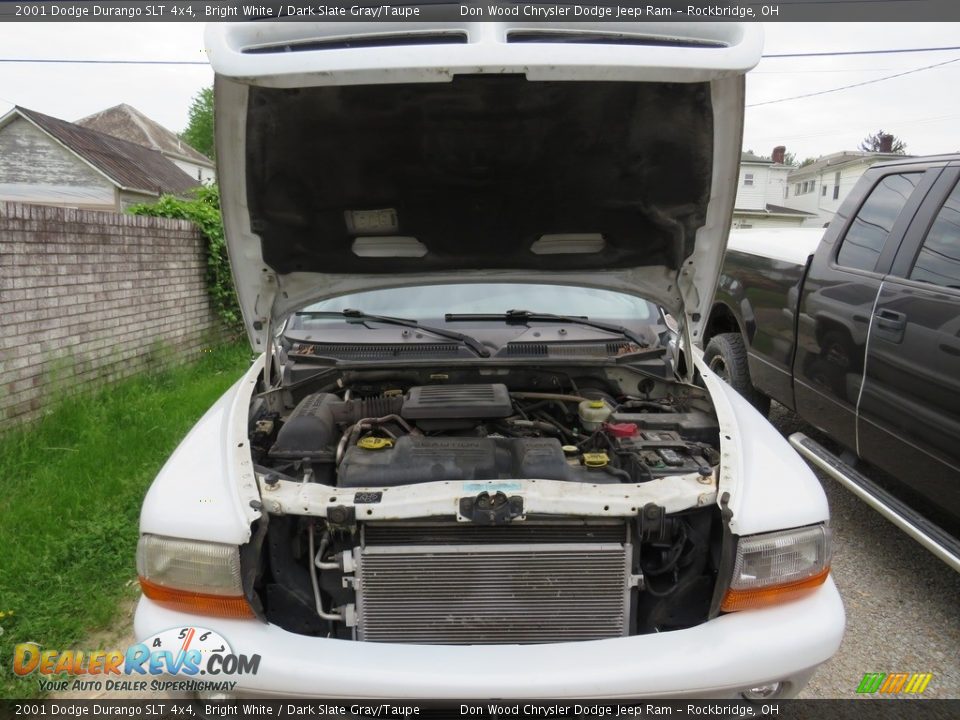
596,404
374,443
595,459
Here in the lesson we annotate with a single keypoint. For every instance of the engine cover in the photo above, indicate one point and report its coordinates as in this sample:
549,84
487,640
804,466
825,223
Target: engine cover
414,459
438,407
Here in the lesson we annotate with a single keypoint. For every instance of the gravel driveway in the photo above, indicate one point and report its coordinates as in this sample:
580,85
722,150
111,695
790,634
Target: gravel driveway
903,605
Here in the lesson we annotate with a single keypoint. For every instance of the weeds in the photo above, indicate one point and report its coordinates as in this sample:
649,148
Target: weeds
72,487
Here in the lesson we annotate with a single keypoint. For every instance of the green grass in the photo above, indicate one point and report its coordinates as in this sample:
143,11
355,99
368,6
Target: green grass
70,492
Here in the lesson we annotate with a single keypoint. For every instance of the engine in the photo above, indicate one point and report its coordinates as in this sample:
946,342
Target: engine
486,432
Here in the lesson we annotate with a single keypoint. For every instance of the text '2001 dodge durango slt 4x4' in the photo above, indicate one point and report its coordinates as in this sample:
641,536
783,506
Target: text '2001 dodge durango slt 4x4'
479,455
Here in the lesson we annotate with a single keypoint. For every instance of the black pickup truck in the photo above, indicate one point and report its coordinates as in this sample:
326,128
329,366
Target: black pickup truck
858,332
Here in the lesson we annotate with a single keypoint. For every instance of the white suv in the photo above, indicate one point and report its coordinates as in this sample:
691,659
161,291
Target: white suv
480,455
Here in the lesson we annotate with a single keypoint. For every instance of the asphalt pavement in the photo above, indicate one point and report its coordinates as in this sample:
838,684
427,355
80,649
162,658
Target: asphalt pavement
903,605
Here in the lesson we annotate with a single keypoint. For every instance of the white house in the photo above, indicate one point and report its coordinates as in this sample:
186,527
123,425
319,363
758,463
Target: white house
48,161
819,188
761,188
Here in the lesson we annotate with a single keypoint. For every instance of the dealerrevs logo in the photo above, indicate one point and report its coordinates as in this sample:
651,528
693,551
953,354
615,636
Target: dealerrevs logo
186,652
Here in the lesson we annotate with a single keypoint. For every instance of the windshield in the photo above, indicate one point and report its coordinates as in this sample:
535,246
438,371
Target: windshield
432,302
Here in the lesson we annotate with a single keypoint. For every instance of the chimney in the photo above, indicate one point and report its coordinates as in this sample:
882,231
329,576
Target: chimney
779,153
886,143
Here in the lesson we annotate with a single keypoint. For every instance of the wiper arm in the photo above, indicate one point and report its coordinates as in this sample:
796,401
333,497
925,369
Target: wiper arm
360,316
524,316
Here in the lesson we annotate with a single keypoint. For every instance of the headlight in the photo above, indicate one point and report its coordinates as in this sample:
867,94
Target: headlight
192,576
775,567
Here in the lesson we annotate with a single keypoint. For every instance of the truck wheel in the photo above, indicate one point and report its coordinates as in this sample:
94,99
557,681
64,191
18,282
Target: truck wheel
726,355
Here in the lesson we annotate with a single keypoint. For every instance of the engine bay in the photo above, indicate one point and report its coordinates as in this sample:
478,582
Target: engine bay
458,432
555,505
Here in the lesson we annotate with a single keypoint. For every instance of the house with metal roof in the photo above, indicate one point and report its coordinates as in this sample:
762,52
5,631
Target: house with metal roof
761,188
48,161
128,123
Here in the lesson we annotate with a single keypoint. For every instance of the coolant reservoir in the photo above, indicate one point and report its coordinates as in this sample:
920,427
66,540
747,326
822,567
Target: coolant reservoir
593,413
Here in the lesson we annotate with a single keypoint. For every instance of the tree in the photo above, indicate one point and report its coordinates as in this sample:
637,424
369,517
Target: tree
808,161
872,143
789,158
199,131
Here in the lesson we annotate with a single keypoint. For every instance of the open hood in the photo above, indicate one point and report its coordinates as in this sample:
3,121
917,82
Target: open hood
361,156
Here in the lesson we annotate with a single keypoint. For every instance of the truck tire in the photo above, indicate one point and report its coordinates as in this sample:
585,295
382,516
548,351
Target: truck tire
726,355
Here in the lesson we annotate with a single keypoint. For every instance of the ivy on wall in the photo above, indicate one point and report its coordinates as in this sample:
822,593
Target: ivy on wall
204,211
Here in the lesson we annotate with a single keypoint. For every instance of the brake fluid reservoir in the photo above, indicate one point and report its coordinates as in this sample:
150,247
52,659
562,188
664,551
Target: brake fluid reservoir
593,413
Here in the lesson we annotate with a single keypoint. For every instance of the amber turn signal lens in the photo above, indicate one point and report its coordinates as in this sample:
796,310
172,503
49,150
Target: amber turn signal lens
226,606
760,597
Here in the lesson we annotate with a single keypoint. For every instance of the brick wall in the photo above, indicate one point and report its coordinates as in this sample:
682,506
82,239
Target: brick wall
88,297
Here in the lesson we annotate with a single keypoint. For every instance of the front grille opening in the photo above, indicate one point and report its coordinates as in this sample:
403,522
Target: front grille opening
600,38
544,580
366,41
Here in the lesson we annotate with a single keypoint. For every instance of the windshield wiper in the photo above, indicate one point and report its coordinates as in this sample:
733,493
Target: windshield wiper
522,317
360,316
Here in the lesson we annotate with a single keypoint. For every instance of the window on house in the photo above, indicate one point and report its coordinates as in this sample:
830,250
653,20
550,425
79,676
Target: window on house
823,191
836,186
938,261
865,238
796,190
748,179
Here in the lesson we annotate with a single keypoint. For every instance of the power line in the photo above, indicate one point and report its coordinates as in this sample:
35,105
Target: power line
892,51
841,131
854,85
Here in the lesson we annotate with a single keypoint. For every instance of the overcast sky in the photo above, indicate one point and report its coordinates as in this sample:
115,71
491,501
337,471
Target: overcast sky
923,108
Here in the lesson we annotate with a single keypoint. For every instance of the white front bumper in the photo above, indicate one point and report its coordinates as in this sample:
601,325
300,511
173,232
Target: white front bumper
718,659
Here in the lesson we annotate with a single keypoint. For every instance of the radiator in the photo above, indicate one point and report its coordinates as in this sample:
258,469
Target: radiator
472,594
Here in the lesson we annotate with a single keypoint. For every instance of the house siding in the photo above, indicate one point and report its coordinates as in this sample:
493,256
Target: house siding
126,198
768,186
199,172
752,197
36,169
823,205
